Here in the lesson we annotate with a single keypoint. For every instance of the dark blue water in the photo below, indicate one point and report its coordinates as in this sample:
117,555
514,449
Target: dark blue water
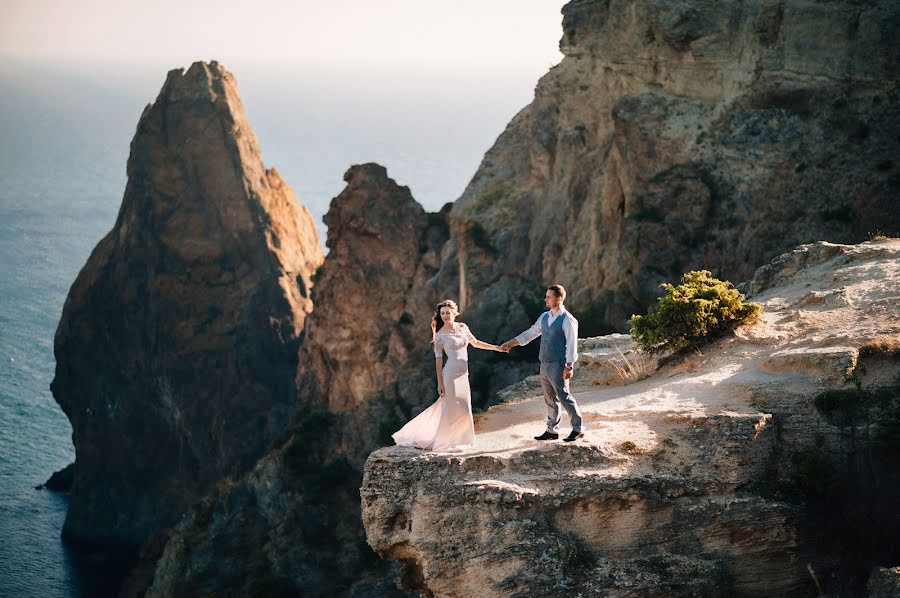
64,138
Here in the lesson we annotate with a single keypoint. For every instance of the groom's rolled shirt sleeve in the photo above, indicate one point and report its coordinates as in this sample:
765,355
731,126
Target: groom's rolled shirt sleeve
530,334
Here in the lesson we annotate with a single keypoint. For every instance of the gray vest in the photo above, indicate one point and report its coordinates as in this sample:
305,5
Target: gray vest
553,339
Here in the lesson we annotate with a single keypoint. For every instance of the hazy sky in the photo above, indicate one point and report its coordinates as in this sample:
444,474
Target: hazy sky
388,34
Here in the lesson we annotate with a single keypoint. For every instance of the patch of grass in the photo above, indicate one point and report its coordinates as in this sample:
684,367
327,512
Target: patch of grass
575,557
480,237
884,350
698,309
630,448
850,407
842,406
631,369
494,194
880,236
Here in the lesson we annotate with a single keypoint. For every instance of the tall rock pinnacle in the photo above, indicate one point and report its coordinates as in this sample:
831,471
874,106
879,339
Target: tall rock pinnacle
177,347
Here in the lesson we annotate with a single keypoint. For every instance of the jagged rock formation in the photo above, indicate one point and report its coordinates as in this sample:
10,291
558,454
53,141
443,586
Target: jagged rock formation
673,135
366,348
721,474
679,135
365,363
177,347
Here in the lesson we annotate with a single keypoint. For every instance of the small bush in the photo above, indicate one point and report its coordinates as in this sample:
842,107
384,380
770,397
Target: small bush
630,448
699,308
575,558
813,473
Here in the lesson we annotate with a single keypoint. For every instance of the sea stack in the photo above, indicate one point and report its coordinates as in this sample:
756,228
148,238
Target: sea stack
177,347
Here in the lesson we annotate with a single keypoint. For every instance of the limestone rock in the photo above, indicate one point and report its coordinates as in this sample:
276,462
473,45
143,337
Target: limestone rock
724,474
679,135
368,342
293,523
177,347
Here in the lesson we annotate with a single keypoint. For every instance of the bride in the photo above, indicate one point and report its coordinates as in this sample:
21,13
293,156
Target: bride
447,424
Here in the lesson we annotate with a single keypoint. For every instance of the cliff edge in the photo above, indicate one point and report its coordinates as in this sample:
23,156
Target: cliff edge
722,474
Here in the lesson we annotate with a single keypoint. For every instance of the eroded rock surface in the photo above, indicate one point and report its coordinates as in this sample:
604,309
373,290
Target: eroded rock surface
293,523
680,135
177,347
717,475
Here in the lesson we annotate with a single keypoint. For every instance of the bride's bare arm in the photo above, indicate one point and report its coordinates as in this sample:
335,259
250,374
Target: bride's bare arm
439,366
481,344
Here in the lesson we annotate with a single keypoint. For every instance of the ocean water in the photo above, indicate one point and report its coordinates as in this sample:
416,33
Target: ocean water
64,138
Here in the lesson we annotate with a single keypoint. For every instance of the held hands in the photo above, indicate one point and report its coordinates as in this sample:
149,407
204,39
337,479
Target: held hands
505,347
567,373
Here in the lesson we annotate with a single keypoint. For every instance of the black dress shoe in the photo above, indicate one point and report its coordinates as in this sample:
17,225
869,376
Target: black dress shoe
547,436
574,436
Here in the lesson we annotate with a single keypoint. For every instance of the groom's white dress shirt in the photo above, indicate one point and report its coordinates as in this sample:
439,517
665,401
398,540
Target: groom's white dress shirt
570,328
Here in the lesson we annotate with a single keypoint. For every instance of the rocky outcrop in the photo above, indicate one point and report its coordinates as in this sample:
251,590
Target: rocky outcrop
177,347
365,363
717,475
679,135
884,583
60,481
367,344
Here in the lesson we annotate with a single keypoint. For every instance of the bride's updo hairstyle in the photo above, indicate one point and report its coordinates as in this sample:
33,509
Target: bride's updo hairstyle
436,321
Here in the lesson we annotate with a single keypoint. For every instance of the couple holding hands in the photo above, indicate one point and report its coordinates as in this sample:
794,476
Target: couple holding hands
447,425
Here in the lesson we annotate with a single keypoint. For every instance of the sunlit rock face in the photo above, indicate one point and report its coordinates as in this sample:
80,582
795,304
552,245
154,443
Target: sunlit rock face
177,347
678,135
722,474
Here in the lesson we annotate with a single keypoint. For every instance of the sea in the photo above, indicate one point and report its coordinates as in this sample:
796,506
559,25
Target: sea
65,132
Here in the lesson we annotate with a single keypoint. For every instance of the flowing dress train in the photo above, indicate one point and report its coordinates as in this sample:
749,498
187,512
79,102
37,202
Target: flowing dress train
447,424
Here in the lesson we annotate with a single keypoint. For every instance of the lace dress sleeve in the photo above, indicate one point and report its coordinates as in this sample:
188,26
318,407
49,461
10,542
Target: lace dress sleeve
438,346
468,333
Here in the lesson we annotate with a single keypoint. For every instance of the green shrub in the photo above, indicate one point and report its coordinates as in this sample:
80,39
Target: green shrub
813,473
575,558
699,308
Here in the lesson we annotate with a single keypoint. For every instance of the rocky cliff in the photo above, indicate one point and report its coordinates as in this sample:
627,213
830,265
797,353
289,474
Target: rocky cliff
723,474
293,523
678,135
177,347
673,135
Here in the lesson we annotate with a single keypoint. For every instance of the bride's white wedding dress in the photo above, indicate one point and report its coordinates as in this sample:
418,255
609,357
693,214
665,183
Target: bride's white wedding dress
446,425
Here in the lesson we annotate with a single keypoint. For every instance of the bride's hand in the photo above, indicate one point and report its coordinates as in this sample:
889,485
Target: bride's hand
440,390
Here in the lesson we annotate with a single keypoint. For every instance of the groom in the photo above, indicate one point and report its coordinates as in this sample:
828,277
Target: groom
558,330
